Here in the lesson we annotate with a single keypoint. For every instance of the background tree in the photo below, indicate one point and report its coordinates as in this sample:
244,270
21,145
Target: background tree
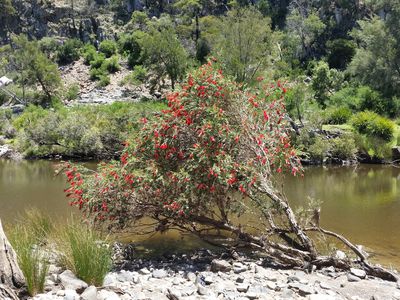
163,52
377,58
243,43
7,12
33,68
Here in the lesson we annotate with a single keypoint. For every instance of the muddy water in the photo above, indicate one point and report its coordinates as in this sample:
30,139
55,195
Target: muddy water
362,202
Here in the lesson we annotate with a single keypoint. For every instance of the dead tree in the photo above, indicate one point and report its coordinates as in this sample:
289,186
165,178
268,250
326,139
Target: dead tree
11,276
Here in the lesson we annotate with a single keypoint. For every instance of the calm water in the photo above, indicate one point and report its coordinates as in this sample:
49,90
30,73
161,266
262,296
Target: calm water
362,202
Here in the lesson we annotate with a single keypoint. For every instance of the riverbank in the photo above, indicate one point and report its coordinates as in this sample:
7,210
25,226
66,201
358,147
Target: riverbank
207,275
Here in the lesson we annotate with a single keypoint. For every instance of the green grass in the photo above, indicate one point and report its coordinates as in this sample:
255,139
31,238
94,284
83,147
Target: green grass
26,236
85,252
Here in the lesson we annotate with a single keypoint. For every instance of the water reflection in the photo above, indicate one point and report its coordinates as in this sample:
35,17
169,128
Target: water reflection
362,202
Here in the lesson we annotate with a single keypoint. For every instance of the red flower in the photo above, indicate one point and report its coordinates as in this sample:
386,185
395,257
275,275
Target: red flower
164,146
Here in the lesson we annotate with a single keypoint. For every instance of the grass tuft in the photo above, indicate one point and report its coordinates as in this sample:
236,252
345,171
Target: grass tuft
85,252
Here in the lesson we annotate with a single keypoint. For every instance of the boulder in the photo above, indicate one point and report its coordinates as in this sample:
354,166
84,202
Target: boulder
358,272
90,293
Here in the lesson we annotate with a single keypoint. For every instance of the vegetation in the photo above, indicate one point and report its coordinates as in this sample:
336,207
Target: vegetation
85,252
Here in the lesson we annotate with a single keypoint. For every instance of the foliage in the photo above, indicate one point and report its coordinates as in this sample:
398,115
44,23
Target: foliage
163,53
79,131
339,115
26,237
302,32
89,53
85,252
213,141
325,81
373,125
377,58
108,48
343,147
243,43
297,99
72,92
340,53
68,52
33,67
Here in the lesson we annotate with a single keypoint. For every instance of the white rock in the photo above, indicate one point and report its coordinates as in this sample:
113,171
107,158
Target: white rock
70,281
340,255
90,293
110,279
320,297
107,295
358,272
71,294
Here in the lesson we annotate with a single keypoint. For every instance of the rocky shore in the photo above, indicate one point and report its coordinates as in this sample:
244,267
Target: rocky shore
206,275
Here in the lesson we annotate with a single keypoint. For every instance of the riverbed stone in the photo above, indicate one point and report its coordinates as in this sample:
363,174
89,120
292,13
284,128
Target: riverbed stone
70,281
358,272
159,273
352,278
90,293
107,295
340,254
191,276
321,297
219,265
110,279
242,288
202,290
144,271
71,294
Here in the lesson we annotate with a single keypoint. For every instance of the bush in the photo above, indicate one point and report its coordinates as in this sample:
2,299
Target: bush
89,53
84,252
111,64
72,92
104,80
318,150
97,61
69,51
338,115
108,47
373,125
139,74
343,147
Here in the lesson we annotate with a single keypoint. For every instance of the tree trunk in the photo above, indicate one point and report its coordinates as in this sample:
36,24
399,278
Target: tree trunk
10,273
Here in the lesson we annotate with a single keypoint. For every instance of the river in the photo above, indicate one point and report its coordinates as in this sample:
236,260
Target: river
361,202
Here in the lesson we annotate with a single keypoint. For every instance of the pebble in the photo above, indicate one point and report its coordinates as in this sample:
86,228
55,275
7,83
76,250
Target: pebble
90,293
160,273
220,265
71,295
242,288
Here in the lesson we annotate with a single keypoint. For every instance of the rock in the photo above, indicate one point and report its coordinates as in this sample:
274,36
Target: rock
202,290
301,289
239,269
125,276
191,276
71,294
70,281
252,295
173,294
396,295
110,279
240,279
220,265
107,295
144,271
358,272
242,288
324,286
60,293
292,278
352,278
90,293
340,255
160,273
208,280
321,297
396,153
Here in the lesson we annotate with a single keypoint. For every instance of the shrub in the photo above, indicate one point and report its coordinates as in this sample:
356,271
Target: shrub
104,80
97,61
139,73
97,73
89,53
69,51
72,92
373,125
318,150
84,252
338,115
343,147
111,64
108,47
